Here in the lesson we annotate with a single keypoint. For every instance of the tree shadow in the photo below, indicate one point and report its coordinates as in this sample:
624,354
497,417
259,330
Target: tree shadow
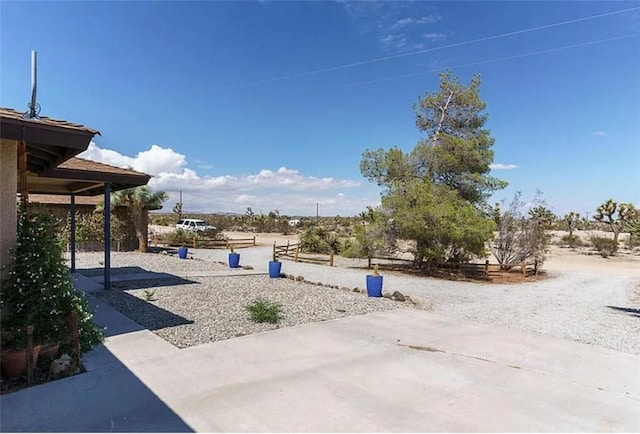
629,310
143,312
161,281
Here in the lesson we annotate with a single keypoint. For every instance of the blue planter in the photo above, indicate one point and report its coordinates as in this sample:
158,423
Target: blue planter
274,269
182,252
374,286
234,260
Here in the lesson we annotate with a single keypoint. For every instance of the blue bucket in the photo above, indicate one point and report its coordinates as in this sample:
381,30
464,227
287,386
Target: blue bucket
234,260
182,252
274,269
374,286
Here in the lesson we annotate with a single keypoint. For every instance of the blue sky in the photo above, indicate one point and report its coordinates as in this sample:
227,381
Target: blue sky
271,104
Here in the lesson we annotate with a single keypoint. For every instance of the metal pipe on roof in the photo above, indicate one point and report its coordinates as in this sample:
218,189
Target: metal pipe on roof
34,84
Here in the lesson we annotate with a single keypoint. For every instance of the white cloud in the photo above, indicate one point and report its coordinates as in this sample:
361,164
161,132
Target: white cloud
433,36
153,161
409,21
599,133
500,166
285,189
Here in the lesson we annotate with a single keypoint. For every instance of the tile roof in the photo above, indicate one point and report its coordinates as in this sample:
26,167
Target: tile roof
76,163
8,113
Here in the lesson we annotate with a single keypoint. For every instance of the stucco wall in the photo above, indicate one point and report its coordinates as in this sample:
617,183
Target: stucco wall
8,188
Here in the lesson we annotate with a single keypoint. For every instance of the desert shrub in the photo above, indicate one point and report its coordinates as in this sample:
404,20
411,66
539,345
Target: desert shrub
605,246
180,237
520,237
262,310
316,240
162,219
571,241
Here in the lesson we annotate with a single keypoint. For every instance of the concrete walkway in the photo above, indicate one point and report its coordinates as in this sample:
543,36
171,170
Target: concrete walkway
405,370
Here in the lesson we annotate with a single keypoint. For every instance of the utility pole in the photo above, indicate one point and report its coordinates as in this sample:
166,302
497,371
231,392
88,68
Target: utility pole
317,215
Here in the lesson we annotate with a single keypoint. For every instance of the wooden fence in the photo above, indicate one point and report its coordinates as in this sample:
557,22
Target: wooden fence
526,268
207,243
292,251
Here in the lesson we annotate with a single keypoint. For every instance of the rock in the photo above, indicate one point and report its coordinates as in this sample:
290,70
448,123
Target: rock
386,295
299,279
344,288
247,267
356,289
398,296
163,252
61,367
291,277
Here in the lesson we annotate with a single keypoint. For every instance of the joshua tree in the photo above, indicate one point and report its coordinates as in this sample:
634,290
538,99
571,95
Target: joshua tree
571,220
627,214
177,209
140,201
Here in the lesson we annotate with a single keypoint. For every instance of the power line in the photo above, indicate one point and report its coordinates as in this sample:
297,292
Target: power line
428,50
484,62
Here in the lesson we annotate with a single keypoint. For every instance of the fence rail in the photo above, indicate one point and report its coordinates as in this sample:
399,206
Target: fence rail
292,251
526,268
207,243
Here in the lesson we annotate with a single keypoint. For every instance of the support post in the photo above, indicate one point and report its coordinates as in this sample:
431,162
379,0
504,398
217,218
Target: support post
524,268
107,235
295,259
254,241
331,259
72,240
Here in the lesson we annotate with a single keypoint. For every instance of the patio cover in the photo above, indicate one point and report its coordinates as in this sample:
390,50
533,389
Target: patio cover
52,168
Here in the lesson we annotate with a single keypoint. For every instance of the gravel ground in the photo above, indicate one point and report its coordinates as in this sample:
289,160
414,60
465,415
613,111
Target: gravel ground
91,263
597,309
214,308
593,308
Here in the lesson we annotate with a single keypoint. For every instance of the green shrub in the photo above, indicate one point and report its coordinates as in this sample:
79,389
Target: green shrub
572,241
633,242
264,311
39,291
180,237
605,246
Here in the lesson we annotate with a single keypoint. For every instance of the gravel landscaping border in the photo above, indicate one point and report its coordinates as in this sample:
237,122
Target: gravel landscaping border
214,308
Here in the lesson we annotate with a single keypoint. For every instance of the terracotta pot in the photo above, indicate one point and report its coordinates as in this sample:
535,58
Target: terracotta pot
14,362
50,350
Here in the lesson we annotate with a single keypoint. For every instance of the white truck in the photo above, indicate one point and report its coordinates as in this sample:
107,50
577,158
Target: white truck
193,225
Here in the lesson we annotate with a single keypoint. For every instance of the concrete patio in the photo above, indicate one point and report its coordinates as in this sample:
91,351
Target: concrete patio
404,370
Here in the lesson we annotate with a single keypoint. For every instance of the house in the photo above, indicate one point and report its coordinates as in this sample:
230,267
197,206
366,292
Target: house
37,156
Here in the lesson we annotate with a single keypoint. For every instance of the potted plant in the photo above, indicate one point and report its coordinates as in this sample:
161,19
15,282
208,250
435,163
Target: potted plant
234,258
275,267
13,358
374,283
182,252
